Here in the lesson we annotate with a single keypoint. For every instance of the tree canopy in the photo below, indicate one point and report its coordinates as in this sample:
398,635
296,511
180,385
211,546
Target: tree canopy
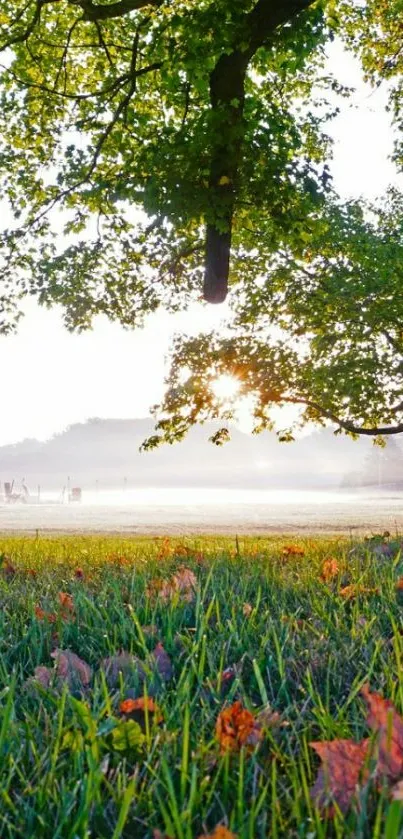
181,147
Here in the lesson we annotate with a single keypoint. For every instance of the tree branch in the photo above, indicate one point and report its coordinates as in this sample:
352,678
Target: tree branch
351,427
93,11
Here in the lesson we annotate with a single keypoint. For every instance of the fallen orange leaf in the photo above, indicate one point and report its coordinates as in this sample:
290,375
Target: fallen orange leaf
330,569
247,610
40,613
219,832
66,601
399,584
137,709
293,550
237,727
351,591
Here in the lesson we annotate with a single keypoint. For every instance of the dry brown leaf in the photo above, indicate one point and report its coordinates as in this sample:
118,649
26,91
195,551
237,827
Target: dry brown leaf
43,675
7,569
330,570
267,718
71,669
185,580
181,585
339,775
345,763
385,721
122,663
247,610
163,663
397,791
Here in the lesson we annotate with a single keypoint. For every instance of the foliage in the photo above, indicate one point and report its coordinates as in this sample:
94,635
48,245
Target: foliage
145,756
204,115
148,132
320,333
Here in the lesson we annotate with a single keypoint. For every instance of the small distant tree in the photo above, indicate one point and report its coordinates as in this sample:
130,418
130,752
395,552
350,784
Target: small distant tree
383,465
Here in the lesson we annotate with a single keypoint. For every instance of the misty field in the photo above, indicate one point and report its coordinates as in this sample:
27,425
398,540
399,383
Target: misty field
165,688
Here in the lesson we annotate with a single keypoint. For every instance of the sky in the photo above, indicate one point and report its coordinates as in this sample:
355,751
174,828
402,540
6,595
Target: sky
51,378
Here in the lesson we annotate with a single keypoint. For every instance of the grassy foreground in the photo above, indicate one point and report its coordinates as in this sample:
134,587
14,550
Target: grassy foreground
259,626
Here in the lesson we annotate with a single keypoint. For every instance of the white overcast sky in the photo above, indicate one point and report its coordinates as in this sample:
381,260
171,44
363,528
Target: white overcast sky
50,378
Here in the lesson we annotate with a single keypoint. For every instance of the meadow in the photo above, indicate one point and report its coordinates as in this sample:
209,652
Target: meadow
156,688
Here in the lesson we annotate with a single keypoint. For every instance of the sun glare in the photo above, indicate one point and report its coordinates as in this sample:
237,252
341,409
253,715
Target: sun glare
225,387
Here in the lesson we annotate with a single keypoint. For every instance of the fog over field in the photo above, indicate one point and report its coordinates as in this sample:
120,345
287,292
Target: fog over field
320,482
104,454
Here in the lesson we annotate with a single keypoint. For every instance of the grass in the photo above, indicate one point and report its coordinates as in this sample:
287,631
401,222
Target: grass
303,649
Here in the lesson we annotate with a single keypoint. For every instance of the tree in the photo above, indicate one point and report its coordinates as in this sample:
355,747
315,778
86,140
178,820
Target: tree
320,331
151,131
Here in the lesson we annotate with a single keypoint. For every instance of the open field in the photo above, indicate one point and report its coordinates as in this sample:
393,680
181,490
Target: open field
179,511
259,620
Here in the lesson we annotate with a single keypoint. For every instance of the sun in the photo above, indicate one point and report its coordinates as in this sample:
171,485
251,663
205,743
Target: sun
225,387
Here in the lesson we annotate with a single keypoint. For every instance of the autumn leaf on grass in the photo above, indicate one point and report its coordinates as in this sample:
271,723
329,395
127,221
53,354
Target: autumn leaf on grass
138,709
292,550
180,586
8,570
165,550
71,670
237,727
41,615
123,665
385,721
219,832
399,584
68,670
267,718
247,610
343,763
352,591
163,663
42,675
346,763
330,570
185,582
66,602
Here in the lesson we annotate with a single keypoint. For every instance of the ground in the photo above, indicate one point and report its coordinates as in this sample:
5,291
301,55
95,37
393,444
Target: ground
189,627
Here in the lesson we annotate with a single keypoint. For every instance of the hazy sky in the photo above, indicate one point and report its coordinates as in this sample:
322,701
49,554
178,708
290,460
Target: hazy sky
50,378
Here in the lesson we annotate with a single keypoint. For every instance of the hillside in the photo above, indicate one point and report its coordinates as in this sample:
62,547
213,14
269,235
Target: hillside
105,452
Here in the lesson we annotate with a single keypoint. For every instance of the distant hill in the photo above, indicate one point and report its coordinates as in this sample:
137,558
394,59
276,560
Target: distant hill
105,452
